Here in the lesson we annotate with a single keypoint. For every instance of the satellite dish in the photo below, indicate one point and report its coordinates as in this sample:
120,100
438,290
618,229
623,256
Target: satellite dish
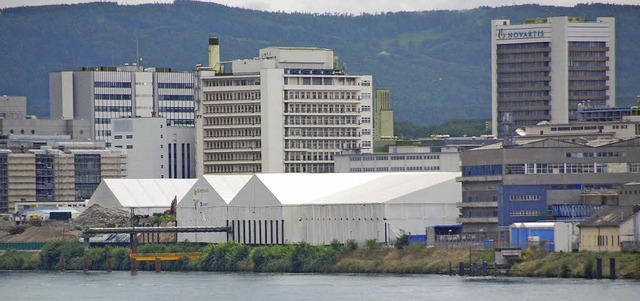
520,132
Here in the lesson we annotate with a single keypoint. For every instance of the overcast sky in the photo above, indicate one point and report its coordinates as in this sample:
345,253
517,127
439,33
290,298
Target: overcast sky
339,6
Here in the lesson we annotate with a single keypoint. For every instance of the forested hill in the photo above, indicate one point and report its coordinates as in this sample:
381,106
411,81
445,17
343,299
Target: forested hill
437,63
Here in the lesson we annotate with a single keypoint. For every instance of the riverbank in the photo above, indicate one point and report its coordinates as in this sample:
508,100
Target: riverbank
304,258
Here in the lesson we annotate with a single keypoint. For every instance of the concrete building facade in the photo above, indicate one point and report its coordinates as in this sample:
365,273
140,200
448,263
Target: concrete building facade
102,93
68,172
290,110
154,149
543,69
13,107
436,154
528,182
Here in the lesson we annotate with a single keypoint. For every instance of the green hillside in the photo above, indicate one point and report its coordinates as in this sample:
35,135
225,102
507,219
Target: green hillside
437,64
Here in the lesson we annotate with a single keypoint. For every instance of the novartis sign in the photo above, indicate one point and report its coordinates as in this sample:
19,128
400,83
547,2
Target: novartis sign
512,35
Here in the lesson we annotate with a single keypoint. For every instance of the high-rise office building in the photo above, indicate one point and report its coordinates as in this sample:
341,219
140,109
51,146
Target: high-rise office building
102,93
290,110
547,68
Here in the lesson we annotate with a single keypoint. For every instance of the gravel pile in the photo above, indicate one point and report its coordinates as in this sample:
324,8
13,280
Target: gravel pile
97,216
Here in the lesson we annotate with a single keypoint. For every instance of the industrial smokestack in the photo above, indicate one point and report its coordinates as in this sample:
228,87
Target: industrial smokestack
214,54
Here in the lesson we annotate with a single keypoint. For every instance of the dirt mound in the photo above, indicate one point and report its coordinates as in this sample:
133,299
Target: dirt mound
38,234
97,216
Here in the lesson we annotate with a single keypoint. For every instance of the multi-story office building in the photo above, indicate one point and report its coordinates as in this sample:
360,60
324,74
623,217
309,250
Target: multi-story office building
154,149
543,69
66,171
102,93
528,181
290,110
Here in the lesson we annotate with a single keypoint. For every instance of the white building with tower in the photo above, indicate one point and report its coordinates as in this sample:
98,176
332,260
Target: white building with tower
546,68
100,94
289,110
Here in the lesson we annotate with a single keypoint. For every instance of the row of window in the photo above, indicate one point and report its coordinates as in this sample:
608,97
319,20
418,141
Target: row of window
338,95
234,144
120,109
321,108
522,65
112,84
127,137
320,81
587,92
231,82
524,197
587,63
244,132
523,46
587,54
232,108
529,74
247,167
238,120
320,120
394,168
587,73
309,167
481,170
112,96
527,84
176,97
309,156
587,44
525,213
594,154
222,96
575,128
587,83
571,168
120,146
175,85
176,109
394,157
233,156
523,104
522,94
321,132
523,55
321,144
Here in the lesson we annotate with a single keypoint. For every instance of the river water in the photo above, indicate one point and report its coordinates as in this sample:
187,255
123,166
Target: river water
175,286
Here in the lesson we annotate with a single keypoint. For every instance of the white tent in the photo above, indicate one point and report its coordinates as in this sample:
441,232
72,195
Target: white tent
318,208
146,196
205,204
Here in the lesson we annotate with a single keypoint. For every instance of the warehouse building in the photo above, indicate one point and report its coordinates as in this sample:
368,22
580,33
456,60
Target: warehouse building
280,208
145,196
205,204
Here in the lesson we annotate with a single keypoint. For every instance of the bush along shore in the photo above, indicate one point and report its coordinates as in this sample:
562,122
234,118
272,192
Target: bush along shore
305,258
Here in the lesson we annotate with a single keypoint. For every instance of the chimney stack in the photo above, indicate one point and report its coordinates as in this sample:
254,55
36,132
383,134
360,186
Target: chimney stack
214,54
